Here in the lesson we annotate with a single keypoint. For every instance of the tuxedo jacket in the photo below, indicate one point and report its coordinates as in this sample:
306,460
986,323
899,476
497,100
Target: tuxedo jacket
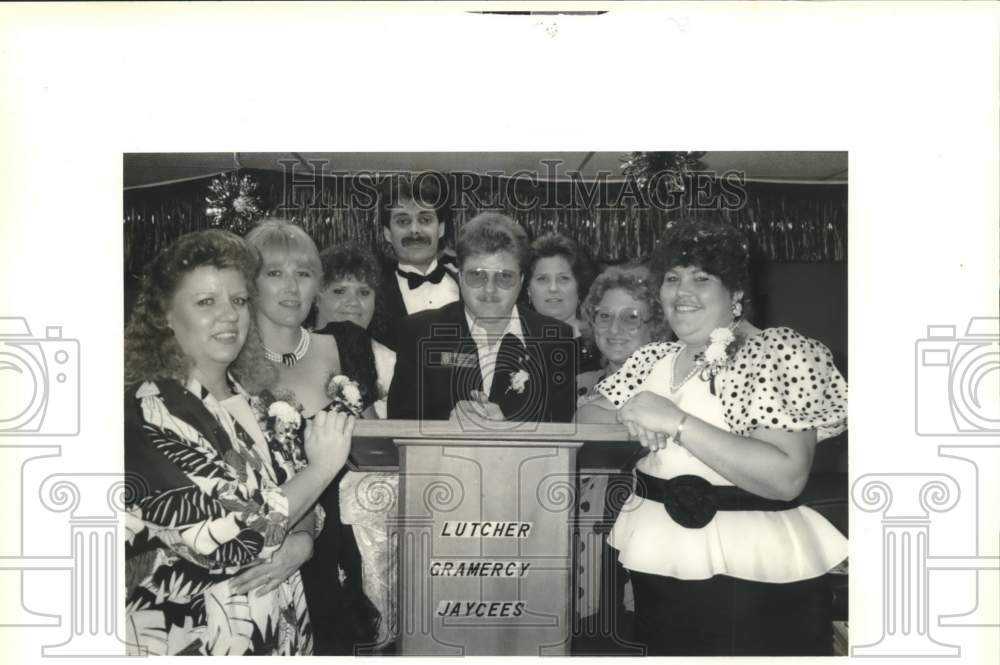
392,307
437,365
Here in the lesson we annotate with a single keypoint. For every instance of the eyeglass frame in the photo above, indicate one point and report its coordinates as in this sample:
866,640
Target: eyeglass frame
617,317
492,277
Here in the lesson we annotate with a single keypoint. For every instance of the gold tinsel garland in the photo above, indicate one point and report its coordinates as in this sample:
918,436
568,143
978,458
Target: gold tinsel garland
784,222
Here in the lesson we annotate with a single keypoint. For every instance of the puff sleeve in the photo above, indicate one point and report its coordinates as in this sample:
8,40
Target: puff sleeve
782,380
628,380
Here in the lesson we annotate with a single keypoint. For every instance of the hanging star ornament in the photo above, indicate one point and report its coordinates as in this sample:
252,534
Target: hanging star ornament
232,202
671,167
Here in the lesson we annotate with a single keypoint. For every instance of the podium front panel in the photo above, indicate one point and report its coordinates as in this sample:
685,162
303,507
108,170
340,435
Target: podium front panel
485,547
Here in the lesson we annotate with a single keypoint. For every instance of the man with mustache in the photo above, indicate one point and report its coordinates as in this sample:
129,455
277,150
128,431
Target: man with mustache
413,212
484,358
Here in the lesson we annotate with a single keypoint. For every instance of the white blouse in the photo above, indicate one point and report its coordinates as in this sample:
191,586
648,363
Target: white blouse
764,546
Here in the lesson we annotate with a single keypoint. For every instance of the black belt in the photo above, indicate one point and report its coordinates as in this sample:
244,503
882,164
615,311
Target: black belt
692,501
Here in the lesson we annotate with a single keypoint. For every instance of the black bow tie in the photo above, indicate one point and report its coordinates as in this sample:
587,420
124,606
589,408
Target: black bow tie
414,280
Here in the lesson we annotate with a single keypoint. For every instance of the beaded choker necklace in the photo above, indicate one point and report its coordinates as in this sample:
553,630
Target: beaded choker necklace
289,359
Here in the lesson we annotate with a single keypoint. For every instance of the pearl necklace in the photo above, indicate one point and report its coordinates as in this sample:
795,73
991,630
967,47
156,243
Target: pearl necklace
698,363
289,359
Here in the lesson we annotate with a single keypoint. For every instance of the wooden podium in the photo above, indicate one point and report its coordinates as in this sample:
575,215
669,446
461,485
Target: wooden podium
484,529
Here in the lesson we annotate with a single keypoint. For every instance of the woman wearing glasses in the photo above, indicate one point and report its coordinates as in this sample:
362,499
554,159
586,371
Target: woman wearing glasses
624,314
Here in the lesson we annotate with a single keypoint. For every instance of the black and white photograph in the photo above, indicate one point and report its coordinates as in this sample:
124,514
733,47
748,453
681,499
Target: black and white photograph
608,390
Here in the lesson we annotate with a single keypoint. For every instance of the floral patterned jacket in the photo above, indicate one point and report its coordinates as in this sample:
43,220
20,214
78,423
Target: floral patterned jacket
204,502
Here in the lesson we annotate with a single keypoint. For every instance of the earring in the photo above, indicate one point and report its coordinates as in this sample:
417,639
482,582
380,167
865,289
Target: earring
737,309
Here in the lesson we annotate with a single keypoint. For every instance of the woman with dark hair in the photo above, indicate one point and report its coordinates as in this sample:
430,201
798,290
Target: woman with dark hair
216,493
559,275
723,559
350,292
303,365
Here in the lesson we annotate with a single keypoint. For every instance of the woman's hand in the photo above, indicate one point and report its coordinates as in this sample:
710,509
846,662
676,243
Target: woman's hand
265,576
328,440
650,418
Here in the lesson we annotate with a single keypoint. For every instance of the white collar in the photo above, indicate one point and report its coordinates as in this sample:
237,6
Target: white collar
405,267
479,333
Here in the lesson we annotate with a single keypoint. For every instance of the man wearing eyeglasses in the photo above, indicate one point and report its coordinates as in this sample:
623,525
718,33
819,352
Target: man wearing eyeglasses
483,357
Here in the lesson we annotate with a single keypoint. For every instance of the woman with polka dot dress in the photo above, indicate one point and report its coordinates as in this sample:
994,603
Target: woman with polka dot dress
722,557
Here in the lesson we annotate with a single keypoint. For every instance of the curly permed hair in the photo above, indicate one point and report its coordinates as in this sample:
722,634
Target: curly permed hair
350,261
151,350
555,244
713,245
359,263
633,283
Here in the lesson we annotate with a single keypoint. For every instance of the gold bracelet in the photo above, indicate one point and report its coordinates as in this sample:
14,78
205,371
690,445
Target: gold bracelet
680,430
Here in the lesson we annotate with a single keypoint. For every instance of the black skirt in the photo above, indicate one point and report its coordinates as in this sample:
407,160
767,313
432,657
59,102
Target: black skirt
344,620
727,616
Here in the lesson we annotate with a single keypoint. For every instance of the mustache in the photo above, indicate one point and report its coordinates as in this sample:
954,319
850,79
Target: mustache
416,240
488,299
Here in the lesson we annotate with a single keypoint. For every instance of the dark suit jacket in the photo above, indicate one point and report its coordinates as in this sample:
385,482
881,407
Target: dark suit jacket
437,365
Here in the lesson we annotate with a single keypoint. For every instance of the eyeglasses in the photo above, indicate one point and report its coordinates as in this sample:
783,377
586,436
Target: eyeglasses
502,279
629,318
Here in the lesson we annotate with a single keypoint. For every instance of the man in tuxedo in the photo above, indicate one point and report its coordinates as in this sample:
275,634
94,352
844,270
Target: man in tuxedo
483,355
413,213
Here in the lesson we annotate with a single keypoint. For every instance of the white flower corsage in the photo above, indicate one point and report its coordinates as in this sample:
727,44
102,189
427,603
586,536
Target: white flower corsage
518,381
345,393
285,421
284,412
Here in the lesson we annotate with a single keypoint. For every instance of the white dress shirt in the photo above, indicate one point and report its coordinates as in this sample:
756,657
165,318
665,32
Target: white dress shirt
427,295
488,353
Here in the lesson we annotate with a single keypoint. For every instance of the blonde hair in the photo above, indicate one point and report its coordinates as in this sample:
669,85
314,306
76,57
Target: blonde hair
276,236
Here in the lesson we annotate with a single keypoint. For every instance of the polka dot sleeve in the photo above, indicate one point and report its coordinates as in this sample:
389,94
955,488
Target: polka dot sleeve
627,381
784,381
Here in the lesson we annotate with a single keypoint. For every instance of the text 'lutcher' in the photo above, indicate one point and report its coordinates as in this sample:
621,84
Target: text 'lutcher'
479,568
486,529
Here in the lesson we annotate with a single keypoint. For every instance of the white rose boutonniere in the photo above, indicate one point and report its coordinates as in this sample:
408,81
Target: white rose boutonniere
518,381
346,394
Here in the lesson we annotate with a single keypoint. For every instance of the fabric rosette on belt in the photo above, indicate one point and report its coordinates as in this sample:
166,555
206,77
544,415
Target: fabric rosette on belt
692,501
